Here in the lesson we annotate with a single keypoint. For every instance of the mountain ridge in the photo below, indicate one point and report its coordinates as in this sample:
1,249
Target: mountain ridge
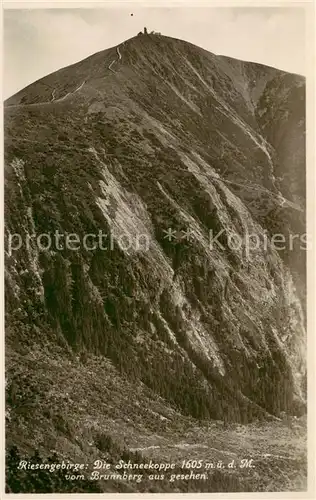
147,139
147,38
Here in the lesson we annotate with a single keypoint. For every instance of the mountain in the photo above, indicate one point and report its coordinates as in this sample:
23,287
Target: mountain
175,308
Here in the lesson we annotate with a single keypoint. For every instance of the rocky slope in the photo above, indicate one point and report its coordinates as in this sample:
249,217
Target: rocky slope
157,134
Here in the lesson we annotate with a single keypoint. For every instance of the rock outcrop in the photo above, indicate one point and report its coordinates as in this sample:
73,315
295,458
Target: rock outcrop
176,156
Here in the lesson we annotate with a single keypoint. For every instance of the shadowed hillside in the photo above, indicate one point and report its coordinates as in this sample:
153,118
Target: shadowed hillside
166,145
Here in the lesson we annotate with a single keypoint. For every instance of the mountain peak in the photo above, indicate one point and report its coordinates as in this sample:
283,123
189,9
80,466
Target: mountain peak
166,171
143,57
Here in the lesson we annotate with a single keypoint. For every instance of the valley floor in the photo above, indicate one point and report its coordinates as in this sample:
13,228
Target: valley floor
85,411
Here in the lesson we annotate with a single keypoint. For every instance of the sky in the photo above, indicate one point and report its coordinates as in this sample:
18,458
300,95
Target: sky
40,41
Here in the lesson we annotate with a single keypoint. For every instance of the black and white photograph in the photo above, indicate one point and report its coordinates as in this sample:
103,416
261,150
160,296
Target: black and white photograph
155,248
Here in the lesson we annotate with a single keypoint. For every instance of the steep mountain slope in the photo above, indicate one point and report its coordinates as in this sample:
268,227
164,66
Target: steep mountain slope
151,136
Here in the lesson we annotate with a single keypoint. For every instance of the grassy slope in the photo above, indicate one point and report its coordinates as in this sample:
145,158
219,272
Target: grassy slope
73,405
138,125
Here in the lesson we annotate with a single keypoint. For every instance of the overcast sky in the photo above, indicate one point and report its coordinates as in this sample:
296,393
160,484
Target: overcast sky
38,41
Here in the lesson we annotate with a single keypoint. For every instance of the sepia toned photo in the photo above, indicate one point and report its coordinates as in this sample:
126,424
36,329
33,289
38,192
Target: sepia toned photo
155,247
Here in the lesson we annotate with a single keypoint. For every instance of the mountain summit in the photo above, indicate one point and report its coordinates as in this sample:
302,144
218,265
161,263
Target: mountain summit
181,160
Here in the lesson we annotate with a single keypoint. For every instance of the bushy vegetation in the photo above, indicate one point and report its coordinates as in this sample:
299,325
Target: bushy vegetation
41,480
121,308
